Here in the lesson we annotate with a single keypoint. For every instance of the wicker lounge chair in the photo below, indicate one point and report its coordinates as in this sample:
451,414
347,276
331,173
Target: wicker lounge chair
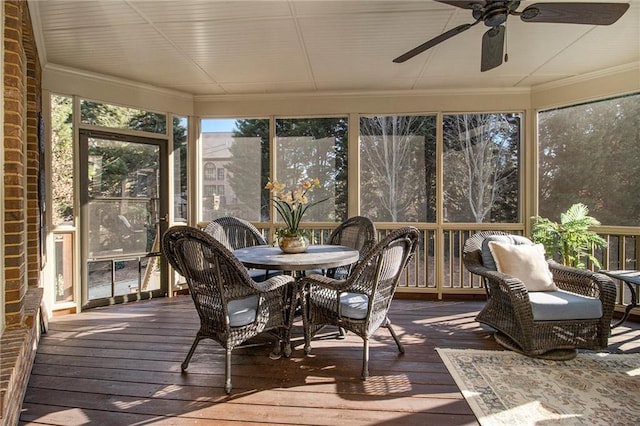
360,302
232,307
541,324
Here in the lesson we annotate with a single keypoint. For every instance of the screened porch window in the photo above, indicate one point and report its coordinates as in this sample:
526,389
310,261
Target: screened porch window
590,153
236,151
481,167
308,148
398,168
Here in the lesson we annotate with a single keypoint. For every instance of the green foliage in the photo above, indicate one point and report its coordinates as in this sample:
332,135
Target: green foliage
590,153
180,167
62,159
570,239
119,117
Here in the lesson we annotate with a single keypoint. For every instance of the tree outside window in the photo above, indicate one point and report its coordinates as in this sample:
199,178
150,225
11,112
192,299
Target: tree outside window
481,167
62,186
590,154
398,168
307,148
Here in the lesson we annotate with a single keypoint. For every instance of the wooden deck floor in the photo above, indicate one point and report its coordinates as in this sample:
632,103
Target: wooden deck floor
121,366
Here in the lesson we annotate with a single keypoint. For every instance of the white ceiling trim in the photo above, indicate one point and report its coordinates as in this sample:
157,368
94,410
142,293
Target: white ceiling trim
115,80
36,23
365,94
587,77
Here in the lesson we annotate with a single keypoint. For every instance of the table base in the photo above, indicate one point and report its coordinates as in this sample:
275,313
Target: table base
629,307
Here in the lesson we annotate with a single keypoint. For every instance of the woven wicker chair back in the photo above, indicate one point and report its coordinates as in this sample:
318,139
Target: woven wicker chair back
378,273
217,231
357,232
472,251
240,233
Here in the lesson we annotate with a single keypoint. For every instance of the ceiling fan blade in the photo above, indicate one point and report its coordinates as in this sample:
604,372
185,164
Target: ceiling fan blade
429,44
464,4
575,13
492,48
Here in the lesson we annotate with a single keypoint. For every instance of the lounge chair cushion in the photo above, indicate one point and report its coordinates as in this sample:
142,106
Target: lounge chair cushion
354,305
242,311
563,305
487,257
526,262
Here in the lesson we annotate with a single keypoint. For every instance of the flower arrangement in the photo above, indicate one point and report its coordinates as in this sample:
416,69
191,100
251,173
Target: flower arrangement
292,204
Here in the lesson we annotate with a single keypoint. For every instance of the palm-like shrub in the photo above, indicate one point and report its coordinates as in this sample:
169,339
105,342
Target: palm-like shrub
571,240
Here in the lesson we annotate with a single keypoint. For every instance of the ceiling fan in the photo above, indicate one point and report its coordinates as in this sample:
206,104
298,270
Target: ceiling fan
495,13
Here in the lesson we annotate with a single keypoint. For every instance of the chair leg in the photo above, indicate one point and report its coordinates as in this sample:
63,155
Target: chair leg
307,342
395,336
365,359
187,359
305,322
227,372
342,333
276,353
287,349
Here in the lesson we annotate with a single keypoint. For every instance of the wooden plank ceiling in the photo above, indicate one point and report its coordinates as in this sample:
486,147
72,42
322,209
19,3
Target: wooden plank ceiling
217,47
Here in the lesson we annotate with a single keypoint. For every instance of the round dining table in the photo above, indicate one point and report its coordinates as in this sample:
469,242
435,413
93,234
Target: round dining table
317,256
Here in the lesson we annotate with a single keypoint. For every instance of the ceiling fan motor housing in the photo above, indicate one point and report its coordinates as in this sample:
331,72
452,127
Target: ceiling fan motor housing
494,13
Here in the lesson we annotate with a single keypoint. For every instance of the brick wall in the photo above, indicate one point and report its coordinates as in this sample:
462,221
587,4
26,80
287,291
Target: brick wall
20,233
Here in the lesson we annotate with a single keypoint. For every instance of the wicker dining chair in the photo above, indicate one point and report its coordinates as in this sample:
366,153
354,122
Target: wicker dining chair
232,307
236,233
357,232
240,233
540,324
360,302
217,231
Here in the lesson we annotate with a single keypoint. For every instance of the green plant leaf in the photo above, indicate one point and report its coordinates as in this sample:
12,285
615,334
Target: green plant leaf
571,240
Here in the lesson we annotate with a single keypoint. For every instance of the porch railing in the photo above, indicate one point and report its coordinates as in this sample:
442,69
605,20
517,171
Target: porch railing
437,267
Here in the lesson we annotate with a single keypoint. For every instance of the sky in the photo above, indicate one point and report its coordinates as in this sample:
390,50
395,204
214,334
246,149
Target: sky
218,125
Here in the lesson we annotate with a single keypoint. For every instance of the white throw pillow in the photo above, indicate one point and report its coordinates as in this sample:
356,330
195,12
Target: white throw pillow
525,262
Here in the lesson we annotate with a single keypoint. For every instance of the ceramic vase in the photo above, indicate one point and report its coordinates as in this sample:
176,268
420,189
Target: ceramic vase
296,244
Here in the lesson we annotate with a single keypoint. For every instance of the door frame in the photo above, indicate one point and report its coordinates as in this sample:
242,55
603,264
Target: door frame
163,214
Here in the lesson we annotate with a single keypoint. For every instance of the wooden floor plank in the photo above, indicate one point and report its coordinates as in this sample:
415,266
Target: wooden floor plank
120,365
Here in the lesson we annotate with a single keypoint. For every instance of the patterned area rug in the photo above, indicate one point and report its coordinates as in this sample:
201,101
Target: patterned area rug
506,388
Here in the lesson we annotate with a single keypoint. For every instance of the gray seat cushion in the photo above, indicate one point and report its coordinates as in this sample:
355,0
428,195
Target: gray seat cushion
354,305
563,305
242,311
487,257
